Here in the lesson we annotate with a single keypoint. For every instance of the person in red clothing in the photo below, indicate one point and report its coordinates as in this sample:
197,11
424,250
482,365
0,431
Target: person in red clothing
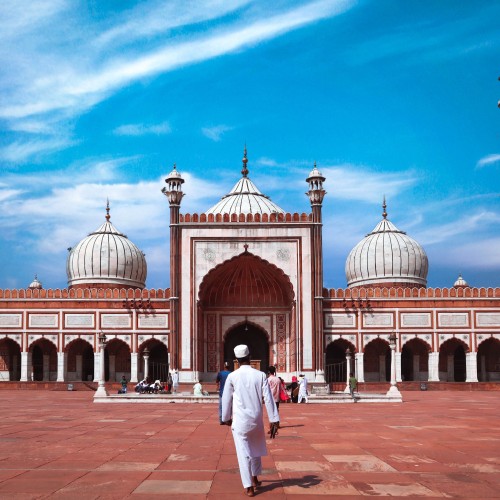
274,384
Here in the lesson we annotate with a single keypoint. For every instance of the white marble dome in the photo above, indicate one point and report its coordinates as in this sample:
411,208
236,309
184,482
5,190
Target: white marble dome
245,198
35,284
387,257
106,258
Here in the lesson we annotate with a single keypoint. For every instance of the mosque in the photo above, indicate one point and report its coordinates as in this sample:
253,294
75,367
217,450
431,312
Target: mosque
246,271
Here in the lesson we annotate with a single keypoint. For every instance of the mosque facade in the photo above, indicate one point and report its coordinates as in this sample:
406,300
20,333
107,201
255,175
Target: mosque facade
246,271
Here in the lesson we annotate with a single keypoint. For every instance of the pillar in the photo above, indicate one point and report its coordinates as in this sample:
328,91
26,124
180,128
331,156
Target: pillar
382,375
101,388
399,378
416,367
433,367
146,363
393,390
348,370
134,377
471,367
97,366
61,365
112,367
360,367
24,366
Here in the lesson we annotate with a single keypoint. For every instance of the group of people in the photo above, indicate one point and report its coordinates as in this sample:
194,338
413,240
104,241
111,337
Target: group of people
147,387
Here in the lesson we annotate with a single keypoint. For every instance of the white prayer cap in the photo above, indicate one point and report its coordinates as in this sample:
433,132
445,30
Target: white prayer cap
241,351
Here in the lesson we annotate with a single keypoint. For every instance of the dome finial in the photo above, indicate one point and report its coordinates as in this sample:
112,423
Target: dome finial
384,206
244,170
107,210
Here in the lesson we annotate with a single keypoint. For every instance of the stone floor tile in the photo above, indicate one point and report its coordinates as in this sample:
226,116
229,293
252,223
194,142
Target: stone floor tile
173,487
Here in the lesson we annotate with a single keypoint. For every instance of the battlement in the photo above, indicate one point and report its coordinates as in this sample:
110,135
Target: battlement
246,218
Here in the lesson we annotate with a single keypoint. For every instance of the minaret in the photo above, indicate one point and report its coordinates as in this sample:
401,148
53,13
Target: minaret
174,195
316,194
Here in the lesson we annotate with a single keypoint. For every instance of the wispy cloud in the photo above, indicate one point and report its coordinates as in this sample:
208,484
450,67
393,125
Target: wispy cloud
488,160
137,129
20,151
215,133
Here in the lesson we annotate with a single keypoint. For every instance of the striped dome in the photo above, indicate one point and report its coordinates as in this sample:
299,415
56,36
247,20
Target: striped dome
245,198
106,258
387,257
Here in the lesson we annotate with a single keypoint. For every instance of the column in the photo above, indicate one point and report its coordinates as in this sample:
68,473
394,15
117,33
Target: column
101,388
399,378
145,355
133,368
97,366
24,366
433,367
382,375
360,367
348,370
471,367
393,390
60,366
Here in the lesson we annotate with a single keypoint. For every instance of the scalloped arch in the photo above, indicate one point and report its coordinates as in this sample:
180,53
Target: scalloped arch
248,280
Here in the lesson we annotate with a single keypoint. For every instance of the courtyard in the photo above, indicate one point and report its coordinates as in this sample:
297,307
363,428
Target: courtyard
436,445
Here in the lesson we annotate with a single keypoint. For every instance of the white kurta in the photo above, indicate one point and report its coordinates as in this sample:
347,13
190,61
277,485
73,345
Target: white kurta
303,389
242,401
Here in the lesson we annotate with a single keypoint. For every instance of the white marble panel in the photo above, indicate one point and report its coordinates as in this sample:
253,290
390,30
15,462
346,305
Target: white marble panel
340,320
10,320
79,320
415,320
43,320
488,319
377,319
453,319
116,321
153,320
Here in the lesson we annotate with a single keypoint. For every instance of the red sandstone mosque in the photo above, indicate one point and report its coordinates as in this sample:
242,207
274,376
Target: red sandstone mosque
246,271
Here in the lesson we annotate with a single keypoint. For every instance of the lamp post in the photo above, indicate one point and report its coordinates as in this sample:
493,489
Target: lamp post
348,357
145,355
101,388
393,390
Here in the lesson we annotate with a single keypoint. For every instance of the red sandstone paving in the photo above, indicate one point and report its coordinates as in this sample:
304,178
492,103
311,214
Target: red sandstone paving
435,445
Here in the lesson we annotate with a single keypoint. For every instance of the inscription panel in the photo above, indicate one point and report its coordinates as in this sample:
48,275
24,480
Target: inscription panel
488,319
79,320
454,319
377,319
43,320
153,321
339,320
10,320
116,321
415,320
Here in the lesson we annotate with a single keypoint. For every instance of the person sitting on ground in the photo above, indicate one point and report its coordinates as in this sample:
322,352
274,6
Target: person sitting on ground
123,383
198,389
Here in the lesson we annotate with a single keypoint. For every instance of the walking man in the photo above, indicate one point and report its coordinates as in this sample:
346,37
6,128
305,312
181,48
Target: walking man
242,409
302,388
221,381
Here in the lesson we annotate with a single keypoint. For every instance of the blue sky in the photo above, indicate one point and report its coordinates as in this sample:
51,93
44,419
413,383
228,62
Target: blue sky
390,98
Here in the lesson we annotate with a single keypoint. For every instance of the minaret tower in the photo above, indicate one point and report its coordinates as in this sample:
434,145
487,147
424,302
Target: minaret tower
174,194
316,194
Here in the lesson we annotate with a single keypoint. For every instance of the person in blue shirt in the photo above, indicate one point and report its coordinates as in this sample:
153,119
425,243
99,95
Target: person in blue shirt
221,380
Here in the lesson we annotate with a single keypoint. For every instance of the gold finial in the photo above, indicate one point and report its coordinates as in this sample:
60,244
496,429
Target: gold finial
384,206
107,210
244,170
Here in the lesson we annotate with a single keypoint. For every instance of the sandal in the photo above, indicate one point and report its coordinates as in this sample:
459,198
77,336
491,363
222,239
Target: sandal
250,492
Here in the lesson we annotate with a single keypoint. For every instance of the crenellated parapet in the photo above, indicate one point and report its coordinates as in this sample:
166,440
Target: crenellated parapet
85,293
246,218
415,292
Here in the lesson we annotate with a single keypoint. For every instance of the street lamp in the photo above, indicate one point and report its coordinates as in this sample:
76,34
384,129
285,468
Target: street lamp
393,390
101,388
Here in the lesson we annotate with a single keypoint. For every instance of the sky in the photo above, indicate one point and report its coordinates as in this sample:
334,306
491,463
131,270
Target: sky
99,99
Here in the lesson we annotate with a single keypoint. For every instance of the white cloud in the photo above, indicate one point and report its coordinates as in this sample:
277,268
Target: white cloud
137,129
488,160
215,133
20,151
